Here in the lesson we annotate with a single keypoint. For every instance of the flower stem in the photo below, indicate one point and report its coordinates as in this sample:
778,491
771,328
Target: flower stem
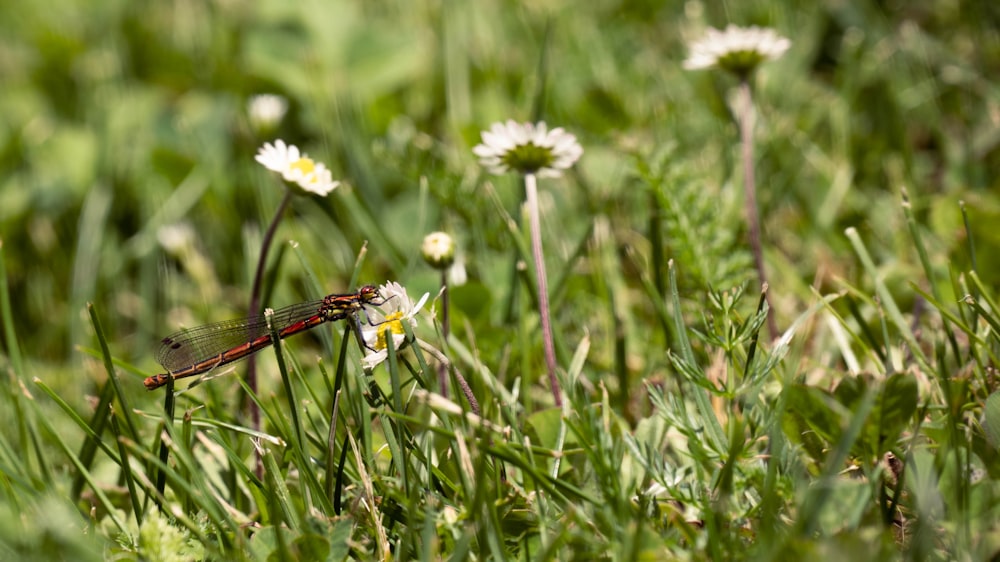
745,117
445,327
531,197
463,384
254,309
656,239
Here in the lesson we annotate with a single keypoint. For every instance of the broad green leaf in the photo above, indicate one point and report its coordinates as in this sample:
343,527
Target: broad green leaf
991,419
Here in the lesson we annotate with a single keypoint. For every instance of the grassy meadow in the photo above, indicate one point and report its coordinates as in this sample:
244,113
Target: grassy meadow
861,425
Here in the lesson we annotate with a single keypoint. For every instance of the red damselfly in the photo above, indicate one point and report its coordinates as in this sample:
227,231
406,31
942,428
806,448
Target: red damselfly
199,350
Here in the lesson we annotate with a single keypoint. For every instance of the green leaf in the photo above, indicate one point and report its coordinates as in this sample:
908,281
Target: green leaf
543,427
311,547
991,419
850,390
898,404
339,534
812,420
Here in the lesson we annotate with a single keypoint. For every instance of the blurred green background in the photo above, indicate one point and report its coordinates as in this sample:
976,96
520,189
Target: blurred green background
121,119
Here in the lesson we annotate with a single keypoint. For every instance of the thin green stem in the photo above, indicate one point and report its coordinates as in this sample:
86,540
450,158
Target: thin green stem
258,277
745,117
531,197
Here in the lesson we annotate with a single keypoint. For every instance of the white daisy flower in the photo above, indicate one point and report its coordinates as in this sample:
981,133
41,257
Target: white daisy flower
737,49
457,276
296,167
266,111
527,148
388,320
438,250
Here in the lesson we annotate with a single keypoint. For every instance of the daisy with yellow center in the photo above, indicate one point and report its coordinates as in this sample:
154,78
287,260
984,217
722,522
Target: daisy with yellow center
296,167
388,321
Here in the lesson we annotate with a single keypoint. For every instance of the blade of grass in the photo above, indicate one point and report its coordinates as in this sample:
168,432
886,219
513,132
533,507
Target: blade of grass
28,433
6,316
872,342
277,491
925,262
89,447
168,420
212,423
110,369
374,517
566,491
97,489
887,300
126,470
397,438
225,527
332,477
87,429
286,381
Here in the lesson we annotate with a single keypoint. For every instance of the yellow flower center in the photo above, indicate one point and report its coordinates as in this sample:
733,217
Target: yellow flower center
305,165
393,324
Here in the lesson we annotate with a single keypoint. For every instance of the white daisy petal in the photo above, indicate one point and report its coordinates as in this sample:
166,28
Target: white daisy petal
296,168
737,49
273,157
372,360
387,319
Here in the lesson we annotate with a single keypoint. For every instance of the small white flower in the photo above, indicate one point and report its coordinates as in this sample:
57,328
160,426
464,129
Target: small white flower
296,167
737,49
266,110
176,238
438,250
457,276
657,490
388,320
527,148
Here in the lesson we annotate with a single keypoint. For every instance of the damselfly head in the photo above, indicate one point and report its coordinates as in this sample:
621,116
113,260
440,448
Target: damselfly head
368,294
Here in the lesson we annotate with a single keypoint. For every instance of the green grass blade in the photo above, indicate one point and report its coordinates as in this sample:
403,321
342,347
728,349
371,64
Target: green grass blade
110,369
83,470
887,299
83,425
126,470
7,317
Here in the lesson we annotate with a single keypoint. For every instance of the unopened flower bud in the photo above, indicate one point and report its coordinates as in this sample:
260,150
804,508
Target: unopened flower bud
439,250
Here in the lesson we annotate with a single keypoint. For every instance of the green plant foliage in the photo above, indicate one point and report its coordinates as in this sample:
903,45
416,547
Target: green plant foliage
991,420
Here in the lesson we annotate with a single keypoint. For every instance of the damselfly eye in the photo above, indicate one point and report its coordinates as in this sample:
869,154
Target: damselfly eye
369,293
